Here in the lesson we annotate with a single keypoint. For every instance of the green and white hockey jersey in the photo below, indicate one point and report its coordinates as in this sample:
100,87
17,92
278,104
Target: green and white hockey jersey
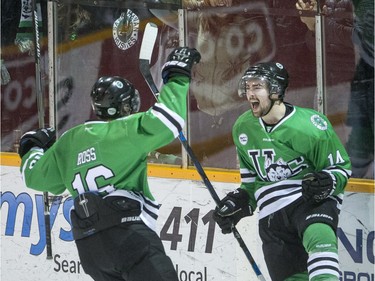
274,160
111,157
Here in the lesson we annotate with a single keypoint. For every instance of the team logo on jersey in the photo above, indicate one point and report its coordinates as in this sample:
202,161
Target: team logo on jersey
243,139
319,122
277,171
125,30
271,168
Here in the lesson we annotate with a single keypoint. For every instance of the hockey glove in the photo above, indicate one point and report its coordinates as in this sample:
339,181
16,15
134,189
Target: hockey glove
43,138
317,186
232,208
180,61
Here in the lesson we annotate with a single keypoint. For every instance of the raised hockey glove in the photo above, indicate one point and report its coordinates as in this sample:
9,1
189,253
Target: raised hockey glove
317,186
232,208
180,61
43,138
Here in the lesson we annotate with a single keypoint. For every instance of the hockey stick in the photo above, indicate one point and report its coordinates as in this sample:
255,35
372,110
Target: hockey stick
147,46
40,105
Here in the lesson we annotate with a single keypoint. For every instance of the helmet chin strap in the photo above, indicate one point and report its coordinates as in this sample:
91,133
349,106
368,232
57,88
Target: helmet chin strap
272,104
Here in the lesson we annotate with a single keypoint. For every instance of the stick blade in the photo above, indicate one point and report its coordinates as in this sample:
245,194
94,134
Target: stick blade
148,42
145,54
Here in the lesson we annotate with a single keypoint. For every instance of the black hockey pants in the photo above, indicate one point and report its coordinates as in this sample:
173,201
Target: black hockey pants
111,250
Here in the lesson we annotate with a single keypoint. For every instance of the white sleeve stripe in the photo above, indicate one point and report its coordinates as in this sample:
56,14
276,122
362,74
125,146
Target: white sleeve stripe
344,172
247,176
323,255
167,123
36,151
324,271
24,168
171,119
248,180
323,263
173,114
247,172
244,171
333,180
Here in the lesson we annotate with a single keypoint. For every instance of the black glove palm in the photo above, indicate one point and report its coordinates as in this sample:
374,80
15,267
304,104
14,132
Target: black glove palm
180,61
317,186
232,209
43,138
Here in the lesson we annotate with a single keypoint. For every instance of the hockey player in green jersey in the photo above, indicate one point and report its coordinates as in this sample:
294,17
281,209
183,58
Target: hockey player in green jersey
103,164
294,169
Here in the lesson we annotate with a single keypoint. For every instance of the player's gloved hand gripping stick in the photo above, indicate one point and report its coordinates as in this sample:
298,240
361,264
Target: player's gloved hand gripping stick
232,209
181,62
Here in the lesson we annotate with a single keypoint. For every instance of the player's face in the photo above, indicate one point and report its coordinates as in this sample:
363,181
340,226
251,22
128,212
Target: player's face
257,93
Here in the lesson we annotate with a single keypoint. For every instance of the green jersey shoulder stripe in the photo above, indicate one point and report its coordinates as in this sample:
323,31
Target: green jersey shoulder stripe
172,120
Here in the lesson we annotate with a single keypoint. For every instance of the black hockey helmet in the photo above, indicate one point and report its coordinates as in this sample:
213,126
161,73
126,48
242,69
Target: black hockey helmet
114,97
274,73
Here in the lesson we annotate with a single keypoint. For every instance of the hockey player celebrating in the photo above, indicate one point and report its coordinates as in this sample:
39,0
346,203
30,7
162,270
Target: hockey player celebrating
294,169
103,164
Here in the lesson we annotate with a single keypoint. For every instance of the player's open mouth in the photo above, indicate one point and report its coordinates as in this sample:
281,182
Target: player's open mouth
254,105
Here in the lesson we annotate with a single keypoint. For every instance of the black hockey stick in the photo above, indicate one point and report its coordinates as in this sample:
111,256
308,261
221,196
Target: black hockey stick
40,105
147,46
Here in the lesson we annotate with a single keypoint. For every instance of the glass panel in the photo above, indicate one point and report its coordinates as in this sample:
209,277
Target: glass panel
359,113
233,35
18,93
103,38
230,40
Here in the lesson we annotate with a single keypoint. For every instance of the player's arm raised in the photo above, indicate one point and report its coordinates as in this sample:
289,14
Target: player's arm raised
169,113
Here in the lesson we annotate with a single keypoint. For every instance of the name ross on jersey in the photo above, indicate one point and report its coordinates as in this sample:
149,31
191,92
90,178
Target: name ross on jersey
86,156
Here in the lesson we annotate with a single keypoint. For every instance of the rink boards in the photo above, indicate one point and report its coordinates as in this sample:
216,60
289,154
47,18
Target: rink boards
191,238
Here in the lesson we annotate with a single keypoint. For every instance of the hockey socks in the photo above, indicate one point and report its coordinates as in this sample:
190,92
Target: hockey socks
320,243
